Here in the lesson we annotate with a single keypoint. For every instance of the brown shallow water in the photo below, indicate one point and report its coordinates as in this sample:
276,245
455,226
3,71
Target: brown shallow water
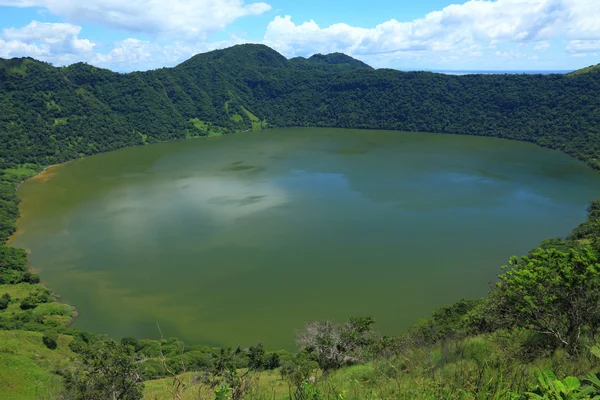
243,238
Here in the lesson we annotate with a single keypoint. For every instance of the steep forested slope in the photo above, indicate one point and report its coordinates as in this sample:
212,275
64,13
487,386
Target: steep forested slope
53,114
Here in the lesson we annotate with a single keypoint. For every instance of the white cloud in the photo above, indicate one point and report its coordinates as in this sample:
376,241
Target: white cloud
583,46
134,54
128,51
184,19
541,46
496,34
468,30
14,48
45,40
584,16
58,37
466,25
59,43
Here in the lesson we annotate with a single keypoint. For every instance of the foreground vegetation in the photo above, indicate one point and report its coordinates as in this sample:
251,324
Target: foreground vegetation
534,336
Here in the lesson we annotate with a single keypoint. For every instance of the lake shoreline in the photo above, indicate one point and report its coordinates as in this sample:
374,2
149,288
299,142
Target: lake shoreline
46,173
50,169
347,154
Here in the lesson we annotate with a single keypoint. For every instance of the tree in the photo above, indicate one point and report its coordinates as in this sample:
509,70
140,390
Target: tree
334,345
105,371
552,292
256,356
272,361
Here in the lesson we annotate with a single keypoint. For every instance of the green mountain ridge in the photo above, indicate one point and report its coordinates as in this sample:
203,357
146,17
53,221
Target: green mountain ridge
51,114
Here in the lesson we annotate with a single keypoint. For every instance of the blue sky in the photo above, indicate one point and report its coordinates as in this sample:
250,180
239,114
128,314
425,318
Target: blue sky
419,34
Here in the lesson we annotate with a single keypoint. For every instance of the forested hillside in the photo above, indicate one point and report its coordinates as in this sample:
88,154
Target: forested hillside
52,114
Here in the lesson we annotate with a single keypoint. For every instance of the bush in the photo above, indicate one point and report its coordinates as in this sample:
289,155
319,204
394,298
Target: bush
29,303
50,339
4,301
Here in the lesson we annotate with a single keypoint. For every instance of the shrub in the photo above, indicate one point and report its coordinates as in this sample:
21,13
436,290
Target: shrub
50,339
29,303
4,301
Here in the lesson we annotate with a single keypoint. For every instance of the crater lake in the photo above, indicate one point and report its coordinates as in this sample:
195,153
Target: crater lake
243,238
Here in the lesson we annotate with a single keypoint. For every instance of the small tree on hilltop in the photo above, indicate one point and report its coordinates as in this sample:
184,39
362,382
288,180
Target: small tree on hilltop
552,292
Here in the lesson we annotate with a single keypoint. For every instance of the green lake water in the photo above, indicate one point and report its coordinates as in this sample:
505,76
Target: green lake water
244,238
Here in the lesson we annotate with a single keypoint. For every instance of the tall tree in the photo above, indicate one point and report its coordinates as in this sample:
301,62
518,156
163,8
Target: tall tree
552,292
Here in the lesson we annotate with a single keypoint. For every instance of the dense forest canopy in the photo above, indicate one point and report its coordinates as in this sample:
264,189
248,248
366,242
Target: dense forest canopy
53,114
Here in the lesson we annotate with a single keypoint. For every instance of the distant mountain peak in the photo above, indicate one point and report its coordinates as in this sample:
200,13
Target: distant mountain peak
242,53
19,65
338,58
332,61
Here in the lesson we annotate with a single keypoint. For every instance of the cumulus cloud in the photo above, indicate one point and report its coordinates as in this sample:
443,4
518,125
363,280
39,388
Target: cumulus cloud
60,44
45,40
184,19
489,33
583,46
14,48
134,54
466,26
583,19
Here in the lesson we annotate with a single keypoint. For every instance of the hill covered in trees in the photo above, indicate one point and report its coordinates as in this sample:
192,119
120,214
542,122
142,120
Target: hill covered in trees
543,314
53,114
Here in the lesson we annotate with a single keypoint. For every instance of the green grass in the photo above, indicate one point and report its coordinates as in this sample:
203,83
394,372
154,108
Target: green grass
257,124
236,118
269,384
52,314
586,70
21,290
206,127
22,172
27,366
143,136
464,369
201,125
480,367
15,66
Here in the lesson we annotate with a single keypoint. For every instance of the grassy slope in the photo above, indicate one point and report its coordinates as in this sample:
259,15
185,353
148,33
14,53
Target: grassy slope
54,314
27,366
586,70
27,371
471,369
